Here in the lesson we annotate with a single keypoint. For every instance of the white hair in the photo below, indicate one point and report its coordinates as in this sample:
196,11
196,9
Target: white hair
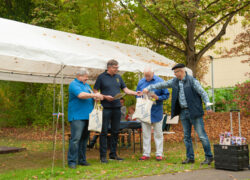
183,69
148,69
82,72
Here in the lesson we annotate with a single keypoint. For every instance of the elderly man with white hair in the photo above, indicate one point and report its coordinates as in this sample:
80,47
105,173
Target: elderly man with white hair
156,115
186,102
81,103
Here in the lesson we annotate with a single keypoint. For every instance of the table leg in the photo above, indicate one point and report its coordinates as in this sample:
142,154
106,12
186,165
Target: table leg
134,138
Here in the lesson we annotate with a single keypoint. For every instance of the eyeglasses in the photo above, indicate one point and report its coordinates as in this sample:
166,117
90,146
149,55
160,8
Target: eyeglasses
177,71
115,67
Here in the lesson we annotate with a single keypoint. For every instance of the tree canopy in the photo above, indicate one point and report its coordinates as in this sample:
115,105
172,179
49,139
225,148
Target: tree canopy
186,29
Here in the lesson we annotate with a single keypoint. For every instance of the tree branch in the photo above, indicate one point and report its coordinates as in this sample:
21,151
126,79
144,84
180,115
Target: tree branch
171,30
150,36
217,38
214,2
210,27
157,40
178,12
154,2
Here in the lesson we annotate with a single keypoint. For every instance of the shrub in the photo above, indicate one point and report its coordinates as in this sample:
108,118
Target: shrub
223,98
242,97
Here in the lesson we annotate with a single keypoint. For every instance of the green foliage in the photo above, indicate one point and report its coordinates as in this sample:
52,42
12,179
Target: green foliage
224,98
45,13
182,30
167,103
232,98
131,80
29,103
16,10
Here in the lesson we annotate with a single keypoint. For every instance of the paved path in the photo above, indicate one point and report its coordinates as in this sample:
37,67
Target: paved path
205,174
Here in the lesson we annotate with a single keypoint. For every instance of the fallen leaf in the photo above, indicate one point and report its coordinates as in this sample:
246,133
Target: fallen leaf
103,172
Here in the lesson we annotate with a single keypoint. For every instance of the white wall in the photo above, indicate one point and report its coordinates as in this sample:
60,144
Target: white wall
227,71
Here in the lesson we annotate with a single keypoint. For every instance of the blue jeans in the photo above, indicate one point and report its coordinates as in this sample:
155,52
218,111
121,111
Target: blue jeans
78,142
113,116
198,123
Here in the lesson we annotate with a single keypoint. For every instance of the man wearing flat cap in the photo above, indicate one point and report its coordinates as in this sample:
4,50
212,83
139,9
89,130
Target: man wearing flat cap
187,95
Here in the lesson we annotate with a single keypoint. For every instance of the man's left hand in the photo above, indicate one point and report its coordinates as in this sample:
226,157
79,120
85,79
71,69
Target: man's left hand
155,96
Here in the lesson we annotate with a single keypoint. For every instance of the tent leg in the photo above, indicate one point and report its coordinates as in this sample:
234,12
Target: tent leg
54,109
63,138
53,127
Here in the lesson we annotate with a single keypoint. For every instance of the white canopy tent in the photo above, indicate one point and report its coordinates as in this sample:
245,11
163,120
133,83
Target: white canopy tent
34,54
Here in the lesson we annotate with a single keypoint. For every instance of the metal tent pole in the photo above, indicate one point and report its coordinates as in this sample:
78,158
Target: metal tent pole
58,117
212,79
54,108
53,126
63,139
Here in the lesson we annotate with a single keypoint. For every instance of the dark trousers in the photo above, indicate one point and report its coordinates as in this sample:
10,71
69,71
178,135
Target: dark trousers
113,116
78,142
94,140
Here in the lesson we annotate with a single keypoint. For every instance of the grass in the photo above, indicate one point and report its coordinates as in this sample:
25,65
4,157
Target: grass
35,163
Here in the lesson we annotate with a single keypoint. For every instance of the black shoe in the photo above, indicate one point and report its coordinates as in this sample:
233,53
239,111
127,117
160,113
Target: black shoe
84,164
104,160
116,158
207,161
188,161
90,146
72,166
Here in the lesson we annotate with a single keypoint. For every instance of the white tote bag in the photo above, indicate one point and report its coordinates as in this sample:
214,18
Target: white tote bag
143,109
95,119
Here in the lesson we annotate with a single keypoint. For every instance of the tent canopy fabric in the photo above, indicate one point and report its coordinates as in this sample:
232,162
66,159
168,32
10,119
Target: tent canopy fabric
30,53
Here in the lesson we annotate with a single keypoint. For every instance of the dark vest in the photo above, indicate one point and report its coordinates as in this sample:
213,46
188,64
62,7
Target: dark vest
193,99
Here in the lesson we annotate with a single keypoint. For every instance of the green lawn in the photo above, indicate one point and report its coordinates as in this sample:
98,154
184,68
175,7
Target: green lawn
35,163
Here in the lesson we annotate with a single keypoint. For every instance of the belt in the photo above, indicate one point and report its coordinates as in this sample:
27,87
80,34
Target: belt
185,108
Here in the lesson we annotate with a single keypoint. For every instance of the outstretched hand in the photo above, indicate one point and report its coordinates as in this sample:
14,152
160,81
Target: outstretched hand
98,96
145,91
109,98
139,93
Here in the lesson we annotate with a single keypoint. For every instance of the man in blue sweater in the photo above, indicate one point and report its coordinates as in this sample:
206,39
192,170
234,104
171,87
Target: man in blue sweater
186,102
156,116
81,103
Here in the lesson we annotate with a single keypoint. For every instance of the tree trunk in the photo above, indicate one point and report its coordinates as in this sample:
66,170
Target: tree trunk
191,58
192,62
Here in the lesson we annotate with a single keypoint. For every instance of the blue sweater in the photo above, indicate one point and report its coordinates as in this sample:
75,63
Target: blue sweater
163,94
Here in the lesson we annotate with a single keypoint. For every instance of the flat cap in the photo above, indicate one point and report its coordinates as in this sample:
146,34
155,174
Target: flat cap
180,65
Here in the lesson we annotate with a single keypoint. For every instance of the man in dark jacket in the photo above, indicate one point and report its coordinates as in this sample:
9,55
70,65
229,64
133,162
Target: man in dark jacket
186,102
